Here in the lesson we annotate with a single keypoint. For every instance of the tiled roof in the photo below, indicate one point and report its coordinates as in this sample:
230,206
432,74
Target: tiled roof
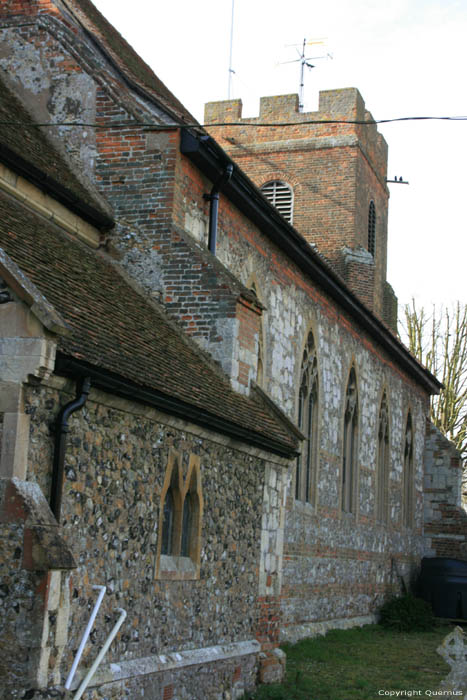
114,328
29,152
125,57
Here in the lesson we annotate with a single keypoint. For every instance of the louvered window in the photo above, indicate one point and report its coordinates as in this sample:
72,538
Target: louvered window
281,196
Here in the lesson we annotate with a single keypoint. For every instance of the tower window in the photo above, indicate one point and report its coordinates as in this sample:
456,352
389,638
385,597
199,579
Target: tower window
371,228
281,196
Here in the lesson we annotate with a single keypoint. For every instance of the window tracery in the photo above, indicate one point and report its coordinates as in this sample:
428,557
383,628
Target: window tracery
180,520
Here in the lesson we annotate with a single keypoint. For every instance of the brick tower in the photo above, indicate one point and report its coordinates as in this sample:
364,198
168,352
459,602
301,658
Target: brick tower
328,179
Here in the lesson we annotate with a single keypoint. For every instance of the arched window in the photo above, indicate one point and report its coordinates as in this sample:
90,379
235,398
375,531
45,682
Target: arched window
371,228
349,448
260,352
307,422
408,474
382,467
281,196
187,525
180,520
168,523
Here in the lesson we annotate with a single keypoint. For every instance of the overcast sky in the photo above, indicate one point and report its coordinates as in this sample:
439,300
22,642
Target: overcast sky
407,58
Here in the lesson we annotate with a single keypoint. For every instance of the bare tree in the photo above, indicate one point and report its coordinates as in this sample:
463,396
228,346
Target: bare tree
439,341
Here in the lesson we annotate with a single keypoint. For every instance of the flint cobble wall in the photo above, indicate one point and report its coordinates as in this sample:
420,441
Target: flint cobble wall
336,566
115,467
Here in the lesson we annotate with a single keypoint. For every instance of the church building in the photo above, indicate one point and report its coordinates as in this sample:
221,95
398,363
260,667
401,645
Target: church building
212,440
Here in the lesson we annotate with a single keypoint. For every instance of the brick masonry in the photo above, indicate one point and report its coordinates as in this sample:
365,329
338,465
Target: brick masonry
335,170
444,515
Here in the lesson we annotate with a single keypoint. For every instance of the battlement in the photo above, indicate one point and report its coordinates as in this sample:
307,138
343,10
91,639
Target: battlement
338,110
346,102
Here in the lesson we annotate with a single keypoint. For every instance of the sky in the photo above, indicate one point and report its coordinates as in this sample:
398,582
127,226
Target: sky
408,58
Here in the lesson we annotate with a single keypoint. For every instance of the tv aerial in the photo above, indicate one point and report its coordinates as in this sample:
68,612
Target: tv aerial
305,63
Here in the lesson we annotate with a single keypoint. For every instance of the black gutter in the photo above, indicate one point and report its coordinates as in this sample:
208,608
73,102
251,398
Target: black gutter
209,157
49,185
120,386
61,430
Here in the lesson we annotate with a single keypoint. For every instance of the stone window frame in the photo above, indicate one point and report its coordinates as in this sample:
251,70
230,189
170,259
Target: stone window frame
261,353
350,438
185,533
408,482
383,460
276,188
372,228
308,422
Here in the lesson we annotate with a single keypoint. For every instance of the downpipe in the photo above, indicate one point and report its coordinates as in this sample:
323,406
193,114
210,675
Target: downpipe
61,430
213,198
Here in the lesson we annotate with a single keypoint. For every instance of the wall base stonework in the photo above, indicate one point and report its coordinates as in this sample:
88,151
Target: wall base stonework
294,633
219,672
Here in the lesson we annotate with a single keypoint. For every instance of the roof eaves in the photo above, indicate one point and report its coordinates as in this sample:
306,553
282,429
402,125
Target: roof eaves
211,159
125,388
48,184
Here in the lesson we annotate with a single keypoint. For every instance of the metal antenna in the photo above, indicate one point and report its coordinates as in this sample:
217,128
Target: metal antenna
231,71
304,62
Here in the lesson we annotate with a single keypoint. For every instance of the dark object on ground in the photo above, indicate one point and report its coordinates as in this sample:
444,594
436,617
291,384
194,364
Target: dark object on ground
443,584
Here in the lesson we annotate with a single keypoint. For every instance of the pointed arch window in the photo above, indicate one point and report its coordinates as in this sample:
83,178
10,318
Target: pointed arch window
382,467
409,508
260,351
372,228
349,448
280,194
308,422
179,548
168,523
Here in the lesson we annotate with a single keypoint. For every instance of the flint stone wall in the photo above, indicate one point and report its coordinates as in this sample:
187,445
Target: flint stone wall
115,466
338,567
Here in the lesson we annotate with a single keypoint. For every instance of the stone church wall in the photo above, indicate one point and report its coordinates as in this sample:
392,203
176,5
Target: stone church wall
191,638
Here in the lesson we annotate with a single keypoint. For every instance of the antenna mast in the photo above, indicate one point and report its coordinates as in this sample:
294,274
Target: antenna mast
231,71
303,60
301,89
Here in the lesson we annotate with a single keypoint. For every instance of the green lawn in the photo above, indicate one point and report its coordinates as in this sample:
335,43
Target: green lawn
360,664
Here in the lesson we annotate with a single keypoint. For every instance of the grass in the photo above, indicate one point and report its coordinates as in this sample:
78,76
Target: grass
355,664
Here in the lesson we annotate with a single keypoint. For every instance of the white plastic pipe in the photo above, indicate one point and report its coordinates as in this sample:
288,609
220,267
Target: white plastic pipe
87,679
87,632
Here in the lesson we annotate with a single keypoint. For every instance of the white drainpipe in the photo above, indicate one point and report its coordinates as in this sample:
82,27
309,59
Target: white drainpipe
86,634
87,679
